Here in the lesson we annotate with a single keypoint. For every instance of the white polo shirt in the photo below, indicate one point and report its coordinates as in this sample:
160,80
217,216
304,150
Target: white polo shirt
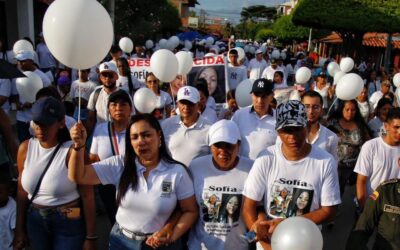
86,89
147,209
269,72
213,230
256,68
280,182
326,140
257,133
210,115
186,143
101,143
379,162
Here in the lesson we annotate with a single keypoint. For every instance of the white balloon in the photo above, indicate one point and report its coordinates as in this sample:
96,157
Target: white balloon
22,45
346,64
174,40
332,68
210,41
145,100
163,43
202,42
149,44
164,65
78,33
275,54
264,49
185,62
396,80
209,55
241,53
339,74
171,45
297,233
246,48
188,45
242,93
126,44
283,55
303,75
28,86
349,87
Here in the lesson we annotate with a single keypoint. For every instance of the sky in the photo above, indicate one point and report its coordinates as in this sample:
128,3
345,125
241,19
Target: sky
230,9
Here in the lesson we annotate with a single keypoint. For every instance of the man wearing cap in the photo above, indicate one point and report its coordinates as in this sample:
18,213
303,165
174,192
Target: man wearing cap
269,72
256,65
186,134
218,181
109,140
236,72
98,100
256,122
293,178
24,116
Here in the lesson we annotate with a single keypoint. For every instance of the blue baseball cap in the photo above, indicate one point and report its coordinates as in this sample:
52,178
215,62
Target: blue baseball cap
47,111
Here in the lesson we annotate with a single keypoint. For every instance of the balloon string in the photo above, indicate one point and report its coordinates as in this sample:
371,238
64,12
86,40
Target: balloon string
79,103
173,98
333,104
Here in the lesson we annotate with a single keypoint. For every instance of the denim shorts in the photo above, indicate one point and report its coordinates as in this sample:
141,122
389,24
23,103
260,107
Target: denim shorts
118,241
50,229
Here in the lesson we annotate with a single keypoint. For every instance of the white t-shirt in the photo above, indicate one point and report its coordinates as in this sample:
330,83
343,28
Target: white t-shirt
257,133
377,127
46,59
326,140
147,209
374,99
379,162
101,144
122,82
186,143
292,188
101,108
256,68
364,110
86,89
324,93
7,224
269,72
215,229
5,90
210,115
236,74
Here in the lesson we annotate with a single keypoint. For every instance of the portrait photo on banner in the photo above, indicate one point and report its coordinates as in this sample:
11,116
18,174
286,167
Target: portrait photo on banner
213,71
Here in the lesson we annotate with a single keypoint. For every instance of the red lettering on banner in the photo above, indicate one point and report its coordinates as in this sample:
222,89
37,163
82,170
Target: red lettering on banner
139,62
218,60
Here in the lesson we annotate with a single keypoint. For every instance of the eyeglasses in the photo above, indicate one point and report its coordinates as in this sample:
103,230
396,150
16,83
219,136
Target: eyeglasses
107,75
313,107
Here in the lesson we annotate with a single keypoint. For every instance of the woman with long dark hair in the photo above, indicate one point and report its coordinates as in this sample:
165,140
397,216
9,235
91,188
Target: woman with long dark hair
52,211
125,79
149,185
352,131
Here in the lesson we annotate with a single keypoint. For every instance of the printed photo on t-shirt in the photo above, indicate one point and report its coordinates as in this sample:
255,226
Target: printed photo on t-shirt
290,198
220,212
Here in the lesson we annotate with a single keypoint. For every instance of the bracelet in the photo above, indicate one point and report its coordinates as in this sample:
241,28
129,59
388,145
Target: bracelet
91,237
80,147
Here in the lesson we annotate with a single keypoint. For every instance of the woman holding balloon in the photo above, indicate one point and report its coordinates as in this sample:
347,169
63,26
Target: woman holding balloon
163,99
150,184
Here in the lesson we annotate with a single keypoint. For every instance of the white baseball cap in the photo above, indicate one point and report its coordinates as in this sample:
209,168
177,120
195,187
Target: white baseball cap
223,131
23,55
108,67
259,51
188,93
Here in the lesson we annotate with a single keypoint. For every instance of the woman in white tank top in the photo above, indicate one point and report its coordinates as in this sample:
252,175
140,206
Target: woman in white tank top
323,88
51,217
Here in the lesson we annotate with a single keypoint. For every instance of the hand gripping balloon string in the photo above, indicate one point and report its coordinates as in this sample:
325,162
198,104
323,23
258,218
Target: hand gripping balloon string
79,104
333,104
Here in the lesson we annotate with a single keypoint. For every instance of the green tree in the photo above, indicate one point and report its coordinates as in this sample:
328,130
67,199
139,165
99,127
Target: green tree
252,13
349,18
286,31
142,19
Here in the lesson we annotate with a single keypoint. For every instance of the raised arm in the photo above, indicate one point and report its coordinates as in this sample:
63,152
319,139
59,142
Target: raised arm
78,172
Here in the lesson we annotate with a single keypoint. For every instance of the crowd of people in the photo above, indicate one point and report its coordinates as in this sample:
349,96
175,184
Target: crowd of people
190,175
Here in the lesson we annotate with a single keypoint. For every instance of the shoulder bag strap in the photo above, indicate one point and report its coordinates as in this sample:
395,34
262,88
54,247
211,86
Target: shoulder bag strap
44,172
111,137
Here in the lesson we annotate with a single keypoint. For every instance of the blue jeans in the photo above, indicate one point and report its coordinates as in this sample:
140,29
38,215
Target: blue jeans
118,241
53,230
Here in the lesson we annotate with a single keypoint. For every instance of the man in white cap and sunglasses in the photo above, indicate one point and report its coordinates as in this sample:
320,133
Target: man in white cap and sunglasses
186,134
293,178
